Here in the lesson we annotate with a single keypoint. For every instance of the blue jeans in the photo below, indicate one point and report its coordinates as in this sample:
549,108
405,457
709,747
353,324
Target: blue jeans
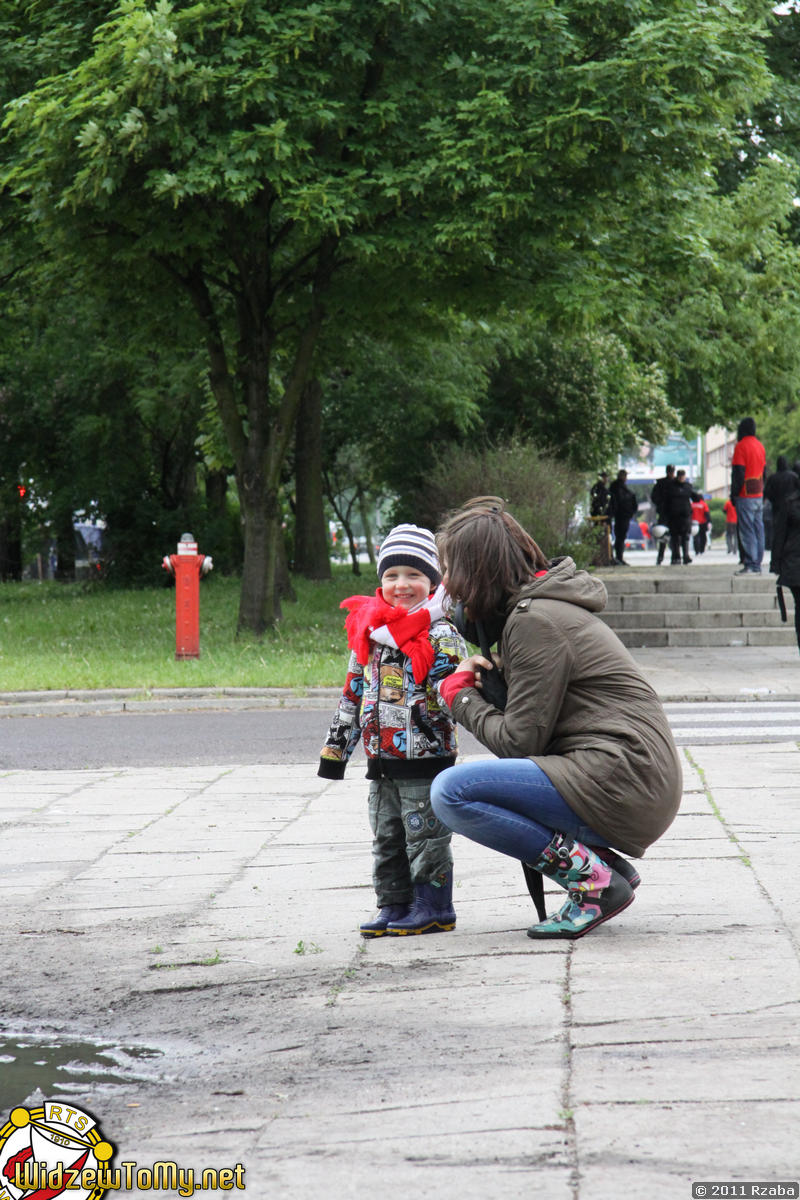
749,510
507,804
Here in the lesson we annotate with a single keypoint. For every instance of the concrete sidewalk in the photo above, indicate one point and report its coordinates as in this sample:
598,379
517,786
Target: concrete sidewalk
203,920
722,672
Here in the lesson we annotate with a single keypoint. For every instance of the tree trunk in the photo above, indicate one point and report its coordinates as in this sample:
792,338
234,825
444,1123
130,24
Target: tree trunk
11,546
217,491
311,557
365,521
259,599
351,538
259,438
283,580
65,548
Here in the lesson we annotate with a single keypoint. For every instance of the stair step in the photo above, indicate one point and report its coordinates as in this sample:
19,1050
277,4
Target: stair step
686,580
685,602
694,619
784,635
695,606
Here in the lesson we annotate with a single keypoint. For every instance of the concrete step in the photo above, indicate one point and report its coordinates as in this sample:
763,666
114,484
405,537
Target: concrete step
695,605
684,579
692,602
784,635
696,619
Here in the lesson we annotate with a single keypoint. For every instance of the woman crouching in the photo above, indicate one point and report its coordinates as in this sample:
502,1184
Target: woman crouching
585,757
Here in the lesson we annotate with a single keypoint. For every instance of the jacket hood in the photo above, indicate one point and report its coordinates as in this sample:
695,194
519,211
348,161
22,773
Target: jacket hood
563,581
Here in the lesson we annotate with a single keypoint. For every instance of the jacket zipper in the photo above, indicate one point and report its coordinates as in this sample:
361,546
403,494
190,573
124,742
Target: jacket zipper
378,713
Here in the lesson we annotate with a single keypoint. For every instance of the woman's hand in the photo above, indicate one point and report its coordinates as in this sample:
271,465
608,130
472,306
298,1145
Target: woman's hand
476,663
469,673
473,662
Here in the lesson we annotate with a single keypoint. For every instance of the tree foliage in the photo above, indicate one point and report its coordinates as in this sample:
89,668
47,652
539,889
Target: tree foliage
281,166
543,492
391,403
579,398
770,147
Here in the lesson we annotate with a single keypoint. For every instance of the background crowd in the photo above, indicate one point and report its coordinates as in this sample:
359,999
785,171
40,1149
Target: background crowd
761,513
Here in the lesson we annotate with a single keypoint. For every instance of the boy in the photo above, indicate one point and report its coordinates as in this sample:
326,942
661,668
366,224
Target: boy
400,648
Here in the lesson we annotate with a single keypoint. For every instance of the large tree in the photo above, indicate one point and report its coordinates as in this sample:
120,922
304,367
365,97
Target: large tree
580,398
279,164
770,146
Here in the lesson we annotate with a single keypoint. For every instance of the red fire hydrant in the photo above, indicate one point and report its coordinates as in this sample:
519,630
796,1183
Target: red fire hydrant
187,566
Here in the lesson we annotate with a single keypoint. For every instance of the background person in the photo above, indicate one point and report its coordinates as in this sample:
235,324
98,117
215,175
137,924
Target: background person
731,535
681,497
585,757
785,559
660,498
622,505
747,492
781,483
701,515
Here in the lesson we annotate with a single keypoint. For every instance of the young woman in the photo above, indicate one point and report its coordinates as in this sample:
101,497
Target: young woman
585,758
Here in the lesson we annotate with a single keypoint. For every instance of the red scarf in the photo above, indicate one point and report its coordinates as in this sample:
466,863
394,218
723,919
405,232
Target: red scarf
406,631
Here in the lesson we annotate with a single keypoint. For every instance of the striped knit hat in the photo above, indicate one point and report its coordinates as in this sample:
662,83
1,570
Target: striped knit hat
410,546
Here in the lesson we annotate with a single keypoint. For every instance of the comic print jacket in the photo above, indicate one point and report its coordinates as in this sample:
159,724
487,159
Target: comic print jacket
405,729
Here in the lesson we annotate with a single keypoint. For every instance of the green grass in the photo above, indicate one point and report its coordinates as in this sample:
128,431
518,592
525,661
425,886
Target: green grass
72,636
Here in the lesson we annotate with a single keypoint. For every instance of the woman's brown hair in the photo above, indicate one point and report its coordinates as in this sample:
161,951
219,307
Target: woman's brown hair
486,555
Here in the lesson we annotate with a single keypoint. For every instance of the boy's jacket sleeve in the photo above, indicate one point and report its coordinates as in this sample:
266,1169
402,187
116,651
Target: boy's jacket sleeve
345,728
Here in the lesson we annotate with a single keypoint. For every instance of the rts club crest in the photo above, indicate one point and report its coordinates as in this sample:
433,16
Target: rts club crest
53,1150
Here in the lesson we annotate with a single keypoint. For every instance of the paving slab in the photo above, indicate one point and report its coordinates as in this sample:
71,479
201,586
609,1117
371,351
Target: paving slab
209,916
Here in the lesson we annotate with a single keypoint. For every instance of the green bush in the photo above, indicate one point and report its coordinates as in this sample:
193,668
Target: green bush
543,493
717,517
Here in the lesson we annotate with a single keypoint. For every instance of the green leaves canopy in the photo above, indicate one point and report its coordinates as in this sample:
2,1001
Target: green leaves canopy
406,127
283,164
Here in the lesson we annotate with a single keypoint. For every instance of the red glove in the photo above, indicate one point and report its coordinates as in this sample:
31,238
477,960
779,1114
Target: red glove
453,684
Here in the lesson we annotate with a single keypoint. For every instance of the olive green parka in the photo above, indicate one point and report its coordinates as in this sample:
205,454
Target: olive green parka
579,706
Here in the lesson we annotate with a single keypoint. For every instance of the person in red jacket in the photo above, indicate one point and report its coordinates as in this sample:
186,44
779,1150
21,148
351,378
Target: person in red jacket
701,514
731,534
747,492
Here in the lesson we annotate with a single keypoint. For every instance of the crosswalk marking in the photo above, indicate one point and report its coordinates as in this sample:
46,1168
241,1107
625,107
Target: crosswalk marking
706,722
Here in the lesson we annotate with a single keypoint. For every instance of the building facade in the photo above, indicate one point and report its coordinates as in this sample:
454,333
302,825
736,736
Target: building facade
719,447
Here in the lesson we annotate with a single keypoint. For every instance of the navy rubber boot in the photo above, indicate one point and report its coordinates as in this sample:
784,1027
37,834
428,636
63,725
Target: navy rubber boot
431,910
377,928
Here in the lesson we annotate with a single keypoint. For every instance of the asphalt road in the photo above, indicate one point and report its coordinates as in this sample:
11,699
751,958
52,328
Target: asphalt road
185,738
239,737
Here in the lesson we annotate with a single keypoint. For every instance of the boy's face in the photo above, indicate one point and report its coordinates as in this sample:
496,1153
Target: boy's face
404,586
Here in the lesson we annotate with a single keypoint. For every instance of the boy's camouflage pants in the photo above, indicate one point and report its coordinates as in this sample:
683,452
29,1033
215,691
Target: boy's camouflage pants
409,843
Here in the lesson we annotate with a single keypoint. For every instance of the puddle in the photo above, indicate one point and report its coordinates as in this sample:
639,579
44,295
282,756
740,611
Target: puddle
62,1069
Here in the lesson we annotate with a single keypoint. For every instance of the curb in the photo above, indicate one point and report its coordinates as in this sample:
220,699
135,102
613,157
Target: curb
141,700
131,700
